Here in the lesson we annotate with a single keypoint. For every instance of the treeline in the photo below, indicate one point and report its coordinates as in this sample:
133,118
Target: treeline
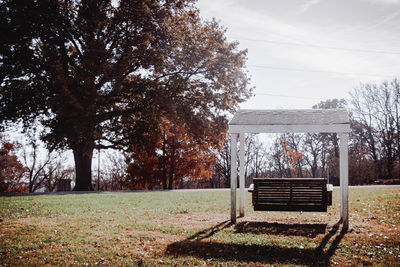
177,161
172,158
374,145
29,167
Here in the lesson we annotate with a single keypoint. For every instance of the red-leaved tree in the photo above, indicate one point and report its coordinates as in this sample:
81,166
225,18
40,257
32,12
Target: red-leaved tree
11,169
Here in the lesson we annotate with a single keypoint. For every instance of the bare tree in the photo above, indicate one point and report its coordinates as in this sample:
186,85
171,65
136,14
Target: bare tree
259,165
376,109
115,176
34,165
313,146
277,159
54,172
222,172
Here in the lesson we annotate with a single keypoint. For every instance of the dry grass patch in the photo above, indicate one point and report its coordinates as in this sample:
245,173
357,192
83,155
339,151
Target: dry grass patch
192,228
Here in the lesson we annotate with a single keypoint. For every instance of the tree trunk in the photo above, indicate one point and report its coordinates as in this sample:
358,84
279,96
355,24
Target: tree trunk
164,177
314,171
390,166
171,171
171,180
164,164
30,186
83,169
300,170
172,165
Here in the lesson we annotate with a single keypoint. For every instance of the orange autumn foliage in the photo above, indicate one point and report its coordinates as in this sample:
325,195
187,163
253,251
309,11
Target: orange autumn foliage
171,156
292,156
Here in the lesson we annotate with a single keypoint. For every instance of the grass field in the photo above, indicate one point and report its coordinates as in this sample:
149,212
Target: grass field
191,228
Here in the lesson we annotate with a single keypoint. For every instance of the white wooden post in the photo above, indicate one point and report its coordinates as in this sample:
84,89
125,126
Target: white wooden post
233,176
241,176
344,179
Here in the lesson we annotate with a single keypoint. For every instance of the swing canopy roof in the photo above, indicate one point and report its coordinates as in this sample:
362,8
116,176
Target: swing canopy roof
290,120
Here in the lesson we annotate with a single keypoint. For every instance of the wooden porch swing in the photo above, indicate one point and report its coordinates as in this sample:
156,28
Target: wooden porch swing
289,194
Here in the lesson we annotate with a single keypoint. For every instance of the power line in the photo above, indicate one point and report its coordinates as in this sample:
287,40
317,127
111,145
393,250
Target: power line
320,71
361,50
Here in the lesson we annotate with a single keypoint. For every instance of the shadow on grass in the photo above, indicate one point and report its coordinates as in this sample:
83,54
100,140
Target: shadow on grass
308,230
197,246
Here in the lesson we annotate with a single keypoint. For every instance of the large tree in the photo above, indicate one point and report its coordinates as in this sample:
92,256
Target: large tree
100,74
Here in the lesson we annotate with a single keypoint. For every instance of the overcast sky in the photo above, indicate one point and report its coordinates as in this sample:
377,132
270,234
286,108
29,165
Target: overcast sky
310,50
304,51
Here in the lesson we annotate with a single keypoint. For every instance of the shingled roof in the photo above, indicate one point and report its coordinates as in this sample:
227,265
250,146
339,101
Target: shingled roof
293,120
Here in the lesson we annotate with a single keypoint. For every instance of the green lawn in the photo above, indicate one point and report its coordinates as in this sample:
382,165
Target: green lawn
191,228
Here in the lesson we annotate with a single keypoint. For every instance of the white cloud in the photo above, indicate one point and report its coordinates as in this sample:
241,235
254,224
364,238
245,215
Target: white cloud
386,19
329,80
307,4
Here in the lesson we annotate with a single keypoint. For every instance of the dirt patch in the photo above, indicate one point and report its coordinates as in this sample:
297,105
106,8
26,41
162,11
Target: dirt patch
36,222
161,238
194,221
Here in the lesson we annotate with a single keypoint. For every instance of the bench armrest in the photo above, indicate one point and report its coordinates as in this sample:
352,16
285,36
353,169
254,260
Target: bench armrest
251,188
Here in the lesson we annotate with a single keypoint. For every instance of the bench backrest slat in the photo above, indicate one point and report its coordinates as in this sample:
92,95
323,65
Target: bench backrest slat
290,194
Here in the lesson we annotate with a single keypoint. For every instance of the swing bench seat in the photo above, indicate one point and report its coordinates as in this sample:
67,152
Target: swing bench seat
291,194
